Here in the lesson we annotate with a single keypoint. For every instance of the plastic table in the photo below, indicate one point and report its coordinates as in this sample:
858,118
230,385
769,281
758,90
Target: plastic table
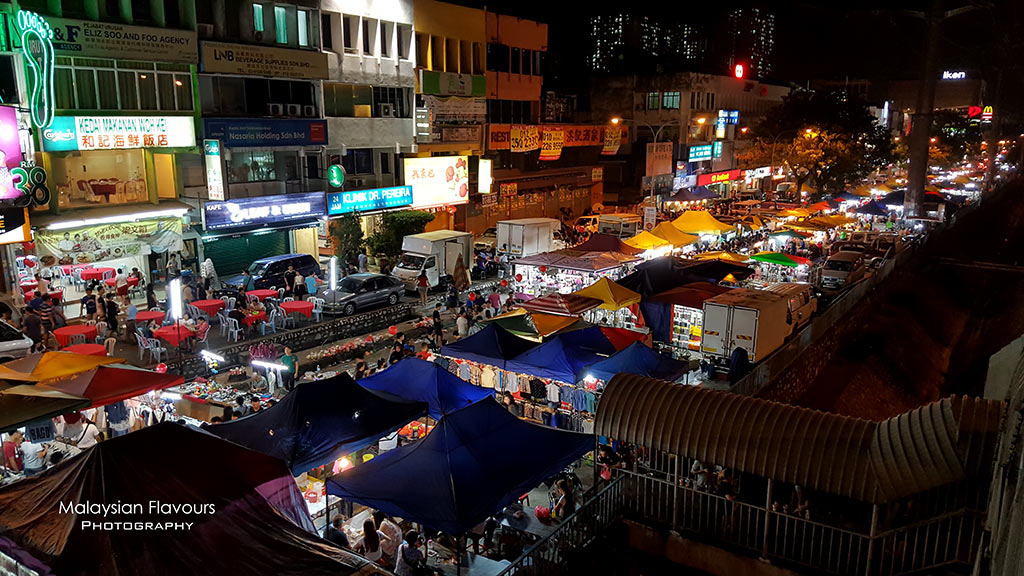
149,316
251,319
63,335
173,334
304,308
211,307
132,281
87,349
96,273
263,293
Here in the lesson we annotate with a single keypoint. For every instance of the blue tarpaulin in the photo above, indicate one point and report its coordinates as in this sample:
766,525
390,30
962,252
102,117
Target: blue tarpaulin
422,381
475,462
591,339
639,359
493,345
320,421
557,359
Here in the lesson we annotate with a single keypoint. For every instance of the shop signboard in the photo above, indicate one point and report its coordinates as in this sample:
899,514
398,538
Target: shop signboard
552,140
262,210
253,132
484,178
452,84
508,188
438,181
10,153
699,153
659,158
524,138
716,149
92,39
214,169
14,226
368,200
456,110
758,172
612,141
118,133
597,174
108,241
422,119
336,175
719,177
499,136
254,60
650,217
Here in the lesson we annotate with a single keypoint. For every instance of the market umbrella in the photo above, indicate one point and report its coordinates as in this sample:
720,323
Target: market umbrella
864,190
752,222
795,213
882,189
675,236
646,241
872,209
779,258
847,197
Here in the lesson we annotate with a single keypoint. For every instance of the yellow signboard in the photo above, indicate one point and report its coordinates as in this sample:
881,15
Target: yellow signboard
551,144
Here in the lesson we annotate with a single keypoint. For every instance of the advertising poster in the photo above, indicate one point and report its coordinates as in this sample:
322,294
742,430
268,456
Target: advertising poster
438,181
551,144
612,141
524,138
10,152
107,241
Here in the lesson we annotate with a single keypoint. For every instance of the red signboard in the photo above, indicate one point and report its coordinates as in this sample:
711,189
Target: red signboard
718,177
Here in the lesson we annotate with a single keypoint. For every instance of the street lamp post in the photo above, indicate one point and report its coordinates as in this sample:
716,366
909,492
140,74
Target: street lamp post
616,120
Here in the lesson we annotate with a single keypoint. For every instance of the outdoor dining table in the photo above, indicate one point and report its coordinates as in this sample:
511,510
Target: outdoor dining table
174,334
210,307
87,349
299,306
149,316
28,286
95,273
251,319
132,281
262,293
63,335
67,268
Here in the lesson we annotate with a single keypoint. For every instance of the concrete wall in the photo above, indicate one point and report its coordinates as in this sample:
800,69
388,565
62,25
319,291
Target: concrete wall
444,22
370,132
356,67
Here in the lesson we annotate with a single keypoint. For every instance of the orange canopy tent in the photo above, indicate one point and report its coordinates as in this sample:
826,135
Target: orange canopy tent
51,365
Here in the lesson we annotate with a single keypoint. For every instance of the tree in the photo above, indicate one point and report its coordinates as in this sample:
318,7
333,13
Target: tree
346,236
395,226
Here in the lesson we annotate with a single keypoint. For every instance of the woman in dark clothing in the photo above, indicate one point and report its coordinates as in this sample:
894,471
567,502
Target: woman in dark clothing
151,301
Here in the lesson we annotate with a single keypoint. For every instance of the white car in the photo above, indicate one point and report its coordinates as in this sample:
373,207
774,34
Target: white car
13,344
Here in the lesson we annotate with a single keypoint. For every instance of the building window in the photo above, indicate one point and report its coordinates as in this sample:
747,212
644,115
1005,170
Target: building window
385,39
693,100
326,32
385,163
653,100
478,54
369,33
537,57
252,166
404,42
281,24
497,57
527,61
670,100
257,17
516,61
358,161
303,20
348,28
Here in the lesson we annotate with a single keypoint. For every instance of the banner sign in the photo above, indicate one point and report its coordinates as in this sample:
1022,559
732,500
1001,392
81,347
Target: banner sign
612,141
650,217
261,210
10,152
551,144
757,172
484,177
251,132
14,226
718,177
508,188
438,181
253,60
107,241
118,133
716,149
456,110
39,431
597,174
368,200
214,170
499,136
524,138
452,84
90,39
699,153
659,158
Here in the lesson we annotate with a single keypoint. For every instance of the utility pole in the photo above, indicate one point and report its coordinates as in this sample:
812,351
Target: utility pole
921,122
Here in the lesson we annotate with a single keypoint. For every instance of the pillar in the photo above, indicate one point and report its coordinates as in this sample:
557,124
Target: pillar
158,10
219,19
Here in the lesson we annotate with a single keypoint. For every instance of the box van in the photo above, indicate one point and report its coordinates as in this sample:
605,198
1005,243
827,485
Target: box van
434,254
587,223
801,303
269,272
752,321
841,270
621,225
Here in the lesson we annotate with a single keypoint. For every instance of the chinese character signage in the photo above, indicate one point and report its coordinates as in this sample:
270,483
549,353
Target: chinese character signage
10,153
524,138
718,177
551,144
261,210
237,132
250,60
89,39
214,169
118,133
508,188
499,136
700,153
612,141
659,158
597,174
107,241
716,149
438,181
368,200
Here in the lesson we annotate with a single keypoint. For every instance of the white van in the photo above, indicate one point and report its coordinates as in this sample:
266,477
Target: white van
801,301
621,225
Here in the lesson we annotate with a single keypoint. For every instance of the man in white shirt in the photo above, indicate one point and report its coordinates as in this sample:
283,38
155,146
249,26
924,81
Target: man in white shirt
121,282
462,326
33,457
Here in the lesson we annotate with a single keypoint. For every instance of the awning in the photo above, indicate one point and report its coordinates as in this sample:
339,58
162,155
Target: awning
611,295
675,236
51,365
691,295
931,446
607,243
646,241
22,404
701,222
112,214
561,304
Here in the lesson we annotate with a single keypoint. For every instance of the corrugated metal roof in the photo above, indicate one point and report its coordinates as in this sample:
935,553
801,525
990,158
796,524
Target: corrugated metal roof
869,461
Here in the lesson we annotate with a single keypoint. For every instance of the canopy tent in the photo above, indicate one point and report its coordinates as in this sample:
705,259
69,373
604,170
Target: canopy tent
108,384
534,326
320,421
421,381
557,359
20,405
590,339
639,359
864,190
612,296
701,222
752,222
882,189
872,209
819,207
781,259
658,311
646,241
51,365
621,338
794,213
675,236
961,179
561,304
475,462
493,345
721,255
607,243
573,259
787,234
667,272
897,198
848,197
256,523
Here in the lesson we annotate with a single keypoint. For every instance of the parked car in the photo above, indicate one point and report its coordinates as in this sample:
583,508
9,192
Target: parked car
269,272
13,344
587,223
486,241
361,292
841,270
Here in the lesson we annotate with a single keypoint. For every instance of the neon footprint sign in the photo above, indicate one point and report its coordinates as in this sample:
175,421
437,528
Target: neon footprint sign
35,29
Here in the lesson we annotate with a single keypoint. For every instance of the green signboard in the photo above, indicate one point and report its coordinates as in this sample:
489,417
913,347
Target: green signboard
37,48
335,175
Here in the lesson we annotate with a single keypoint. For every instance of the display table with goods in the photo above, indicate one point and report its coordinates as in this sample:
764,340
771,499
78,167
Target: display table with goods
203,399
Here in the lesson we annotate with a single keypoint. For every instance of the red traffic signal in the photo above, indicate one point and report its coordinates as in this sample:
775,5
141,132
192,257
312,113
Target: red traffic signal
738,71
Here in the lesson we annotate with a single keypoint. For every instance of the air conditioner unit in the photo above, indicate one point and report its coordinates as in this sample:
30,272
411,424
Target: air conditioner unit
205,30
274,109
309,111
386,110
295,109
355,182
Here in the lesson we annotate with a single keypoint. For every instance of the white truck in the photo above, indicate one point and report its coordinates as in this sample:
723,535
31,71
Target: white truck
434,253
756,321
623,225
527,236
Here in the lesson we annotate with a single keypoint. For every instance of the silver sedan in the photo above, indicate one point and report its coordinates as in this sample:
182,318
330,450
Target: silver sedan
361,292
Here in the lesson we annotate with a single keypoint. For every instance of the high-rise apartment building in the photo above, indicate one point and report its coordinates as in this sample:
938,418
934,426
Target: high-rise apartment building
751,35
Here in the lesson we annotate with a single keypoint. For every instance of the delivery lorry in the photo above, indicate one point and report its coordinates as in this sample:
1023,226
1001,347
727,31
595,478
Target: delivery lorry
752,324
435,254
621,225
527,236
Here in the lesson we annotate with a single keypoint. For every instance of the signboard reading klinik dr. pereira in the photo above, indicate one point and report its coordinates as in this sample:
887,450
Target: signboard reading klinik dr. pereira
118,133
368,200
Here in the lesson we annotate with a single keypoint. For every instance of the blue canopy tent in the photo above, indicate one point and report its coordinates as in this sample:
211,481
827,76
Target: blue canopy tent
475,462
591,339
639,359
422,381
557,359
872,209
493,345
320,421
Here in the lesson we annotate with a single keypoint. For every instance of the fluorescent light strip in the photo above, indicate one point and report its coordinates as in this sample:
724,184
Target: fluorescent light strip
271,365
211,356
179,212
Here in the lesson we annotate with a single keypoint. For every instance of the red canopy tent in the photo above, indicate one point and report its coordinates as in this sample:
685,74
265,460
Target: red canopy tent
607,243
108,384
690,295
622,338
561,304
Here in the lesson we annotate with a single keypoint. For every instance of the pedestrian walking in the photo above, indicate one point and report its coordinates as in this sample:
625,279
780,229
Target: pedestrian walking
422,284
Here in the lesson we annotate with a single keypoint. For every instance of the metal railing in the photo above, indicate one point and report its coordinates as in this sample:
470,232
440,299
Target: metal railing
948,539
572,537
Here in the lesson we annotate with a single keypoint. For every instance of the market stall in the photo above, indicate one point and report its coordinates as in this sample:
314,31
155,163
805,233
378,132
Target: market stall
556,360
618,304
535,326
774,267
673,235
652,245
493,346
421,381
568,270
676,316
703,224
638,359
561,304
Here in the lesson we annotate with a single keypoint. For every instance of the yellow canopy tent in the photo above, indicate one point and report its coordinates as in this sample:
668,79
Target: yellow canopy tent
794,213
753,222
675,236
532,325
961,179
930,188
611,295
51,365
883,189
727,256
646,241
863,190
701,222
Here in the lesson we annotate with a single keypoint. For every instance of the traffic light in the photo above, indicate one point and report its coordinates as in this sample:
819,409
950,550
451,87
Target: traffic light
739,71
